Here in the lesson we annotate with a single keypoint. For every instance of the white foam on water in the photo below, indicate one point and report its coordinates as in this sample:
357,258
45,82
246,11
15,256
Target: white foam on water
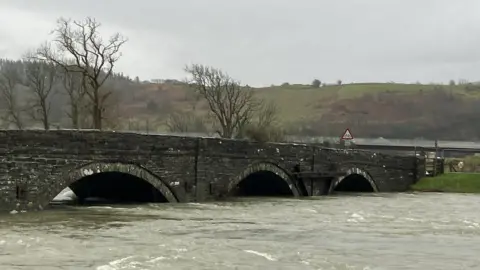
471,224
65,195
209,205
106,267
154,260
120,261
414,219
101,207
192,203
355,218
358,216
115,265
264,255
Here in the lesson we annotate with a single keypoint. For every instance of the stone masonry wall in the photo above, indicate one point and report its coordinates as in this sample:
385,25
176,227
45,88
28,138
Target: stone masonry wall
36,163
39,160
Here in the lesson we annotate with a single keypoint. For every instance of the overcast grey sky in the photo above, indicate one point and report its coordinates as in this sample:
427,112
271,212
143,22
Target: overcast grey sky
261,42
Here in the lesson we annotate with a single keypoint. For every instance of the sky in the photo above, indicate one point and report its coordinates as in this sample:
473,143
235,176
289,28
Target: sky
263,42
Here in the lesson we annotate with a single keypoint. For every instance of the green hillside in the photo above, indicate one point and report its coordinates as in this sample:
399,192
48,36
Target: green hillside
370,109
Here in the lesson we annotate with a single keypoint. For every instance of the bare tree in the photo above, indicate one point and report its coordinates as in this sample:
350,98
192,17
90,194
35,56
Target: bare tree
186,122
178,122
264,127
111,110
92,57
74,85
9,80
40,79
268,114
232,105
192,97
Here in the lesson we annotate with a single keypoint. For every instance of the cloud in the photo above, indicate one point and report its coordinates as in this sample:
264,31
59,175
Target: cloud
272,41
21,30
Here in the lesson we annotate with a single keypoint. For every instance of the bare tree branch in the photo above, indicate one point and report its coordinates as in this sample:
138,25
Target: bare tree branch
41,77
233,106
111,110
178,122
74,86
264,127
267,114
81,49
9,80
185,122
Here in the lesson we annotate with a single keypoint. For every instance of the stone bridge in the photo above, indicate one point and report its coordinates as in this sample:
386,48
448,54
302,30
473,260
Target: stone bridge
36,165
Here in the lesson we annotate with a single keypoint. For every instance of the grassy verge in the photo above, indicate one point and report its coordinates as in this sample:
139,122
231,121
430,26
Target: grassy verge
450,182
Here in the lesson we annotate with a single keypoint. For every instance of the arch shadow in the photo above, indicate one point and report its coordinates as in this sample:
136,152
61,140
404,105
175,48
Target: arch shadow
355,180
140,177
262,179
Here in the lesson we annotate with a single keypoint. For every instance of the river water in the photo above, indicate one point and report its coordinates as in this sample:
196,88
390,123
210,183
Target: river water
376,231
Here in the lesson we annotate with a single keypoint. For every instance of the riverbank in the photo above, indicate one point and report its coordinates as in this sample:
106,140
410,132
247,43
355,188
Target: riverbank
450,182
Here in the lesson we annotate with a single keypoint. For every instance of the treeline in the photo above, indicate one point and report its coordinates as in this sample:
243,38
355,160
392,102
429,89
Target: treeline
39,93
72,74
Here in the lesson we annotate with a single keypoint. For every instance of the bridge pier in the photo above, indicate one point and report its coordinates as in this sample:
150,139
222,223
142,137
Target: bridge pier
317,186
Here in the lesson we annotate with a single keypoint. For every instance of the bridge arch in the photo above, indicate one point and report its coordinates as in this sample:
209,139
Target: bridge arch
262,179
354,180
129,177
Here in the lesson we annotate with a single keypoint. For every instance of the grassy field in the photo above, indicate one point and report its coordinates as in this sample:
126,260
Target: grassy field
355,90
450,182
302,105
297,102
306,102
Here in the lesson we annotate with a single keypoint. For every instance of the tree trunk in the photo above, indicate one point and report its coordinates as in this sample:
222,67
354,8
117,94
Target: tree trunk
45,120
46,124
17,121
97,110
74,112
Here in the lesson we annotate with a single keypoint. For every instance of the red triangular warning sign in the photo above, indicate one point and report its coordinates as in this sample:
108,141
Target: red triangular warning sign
347,135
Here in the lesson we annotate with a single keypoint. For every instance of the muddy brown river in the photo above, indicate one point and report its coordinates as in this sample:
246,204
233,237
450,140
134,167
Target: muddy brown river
375,231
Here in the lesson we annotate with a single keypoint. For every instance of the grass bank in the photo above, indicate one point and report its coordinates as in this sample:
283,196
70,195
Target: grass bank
450,182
